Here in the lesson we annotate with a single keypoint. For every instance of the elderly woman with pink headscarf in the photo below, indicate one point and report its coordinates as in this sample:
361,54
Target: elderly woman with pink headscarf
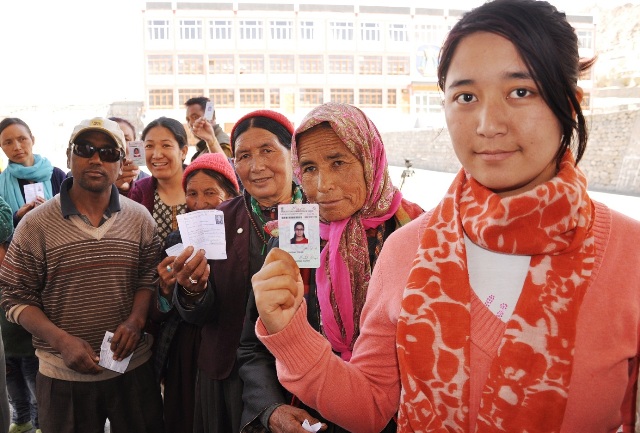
339,157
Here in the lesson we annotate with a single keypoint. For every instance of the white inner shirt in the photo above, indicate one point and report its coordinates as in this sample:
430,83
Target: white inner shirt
496,278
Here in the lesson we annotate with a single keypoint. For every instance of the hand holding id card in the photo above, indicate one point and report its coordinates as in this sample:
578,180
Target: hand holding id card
299,233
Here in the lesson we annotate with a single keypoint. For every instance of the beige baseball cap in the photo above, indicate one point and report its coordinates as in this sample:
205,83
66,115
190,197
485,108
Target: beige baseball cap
109,127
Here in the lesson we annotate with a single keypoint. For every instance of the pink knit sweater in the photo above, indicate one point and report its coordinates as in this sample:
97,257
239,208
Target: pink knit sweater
364,394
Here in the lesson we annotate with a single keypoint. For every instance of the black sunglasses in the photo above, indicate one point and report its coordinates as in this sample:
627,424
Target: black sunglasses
106,154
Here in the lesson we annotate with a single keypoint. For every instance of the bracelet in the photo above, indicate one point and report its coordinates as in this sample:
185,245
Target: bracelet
187,292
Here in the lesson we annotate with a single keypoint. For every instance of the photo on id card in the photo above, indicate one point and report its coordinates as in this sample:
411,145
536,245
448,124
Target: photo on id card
299,233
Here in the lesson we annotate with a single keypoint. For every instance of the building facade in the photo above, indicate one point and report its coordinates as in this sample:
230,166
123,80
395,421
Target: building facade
291,56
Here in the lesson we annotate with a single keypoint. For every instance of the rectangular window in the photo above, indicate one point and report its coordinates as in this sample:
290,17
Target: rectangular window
344,96
585,38
222,98
430,34
428,103
392,100
185,94
370,65
311,64
221,64
158,30
281,64
341,31
160,64
310,97
251,64
251,30
161,98
274,98
190,64
190,29
307,30
370,98
220,30
251,98
398,32
370,32
341,64
281,30
397,65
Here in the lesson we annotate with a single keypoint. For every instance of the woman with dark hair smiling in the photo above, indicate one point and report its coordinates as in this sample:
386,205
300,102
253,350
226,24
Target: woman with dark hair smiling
298,234
162,193
514,305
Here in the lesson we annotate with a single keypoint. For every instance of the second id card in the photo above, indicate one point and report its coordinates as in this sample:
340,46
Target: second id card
208,111
136,153
299,233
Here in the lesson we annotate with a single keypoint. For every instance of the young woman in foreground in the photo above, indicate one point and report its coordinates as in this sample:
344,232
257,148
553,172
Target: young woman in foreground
515,304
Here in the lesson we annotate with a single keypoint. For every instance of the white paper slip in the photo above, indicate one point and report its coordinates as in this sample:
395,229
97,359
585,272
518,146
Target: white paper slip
204,229
175,250
32,191
208,111
311,427
106,356
136,153
299,233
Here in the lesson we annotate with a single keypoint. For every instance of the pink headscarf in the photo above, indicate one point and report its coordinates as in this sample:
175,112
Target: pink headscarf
344,273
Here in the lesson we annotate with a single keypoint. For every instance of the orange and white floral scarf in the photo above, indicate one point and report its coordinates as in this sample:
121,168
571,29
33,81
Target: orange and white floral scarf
529,378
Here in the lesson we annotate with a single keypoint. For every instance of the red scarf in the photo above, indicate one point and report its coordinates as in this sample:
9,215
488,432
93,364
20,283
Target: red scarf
529,379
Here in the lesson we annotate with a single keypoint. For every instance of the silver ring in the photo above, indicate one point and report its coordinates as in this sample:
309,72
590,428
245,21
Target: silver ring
192,281
169,268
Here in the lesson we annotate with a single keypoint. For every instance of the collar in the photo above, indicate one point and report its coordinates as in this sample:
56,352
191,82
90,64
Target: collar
69,208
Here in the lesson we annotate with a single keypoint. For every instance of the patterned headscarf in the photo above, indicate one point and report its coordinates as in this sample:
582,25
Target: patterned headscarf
343,277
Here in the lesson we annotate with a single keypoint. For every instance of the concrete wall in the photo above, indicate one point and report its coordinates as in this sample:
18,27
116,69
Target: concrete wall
611,161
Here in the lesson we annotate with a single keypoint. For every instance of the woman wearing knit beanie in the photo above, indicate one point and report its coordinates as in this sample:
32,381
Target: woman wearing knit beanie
215,294
207,181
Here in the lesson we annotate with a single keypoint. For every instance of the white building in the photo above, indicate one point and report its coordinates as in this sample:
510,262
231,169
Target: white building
293,55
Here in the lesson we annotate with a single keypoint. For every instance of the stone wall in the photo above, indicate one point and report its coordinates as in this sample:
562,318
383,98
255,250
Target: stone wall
611,161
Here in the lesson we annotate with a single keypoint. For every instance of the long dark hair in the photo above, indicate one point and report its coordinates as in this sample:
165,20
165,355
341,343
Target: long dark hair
548,46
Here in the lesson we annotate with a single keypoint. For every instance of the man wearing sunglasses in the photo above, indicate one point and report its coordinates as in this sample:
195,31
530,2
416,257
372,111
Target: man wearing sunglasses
81,265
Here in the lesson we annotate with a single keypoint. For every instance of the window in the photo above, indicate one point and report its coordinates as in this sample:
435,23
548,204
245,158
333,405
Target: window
251,30
307,30
344,96
274,98
370,32
161,98
341,64
370,98
585,38
310,97
190,29
220,29
251,64
160,64
190,64
398,32
281,30
392,100
311,64
430,34
158,29
223,98
185,94
341,31
281,64
428,102
221,64
370,65
251,98
398,65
